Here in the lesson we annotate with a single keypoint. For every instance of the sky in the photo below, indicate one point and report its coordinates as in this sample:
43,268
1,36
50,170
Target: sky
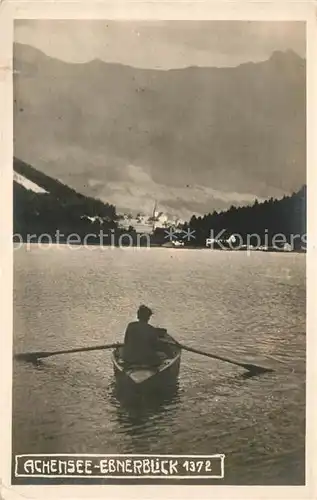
162,44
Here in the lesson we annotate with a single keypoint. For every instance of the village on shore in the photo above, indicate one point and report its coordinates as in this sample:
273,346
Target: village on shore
44,206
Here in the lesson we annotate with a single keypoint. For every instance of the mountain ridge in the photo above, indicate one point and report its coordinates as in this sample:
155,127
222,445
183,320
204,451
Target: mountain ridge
186,136
275,54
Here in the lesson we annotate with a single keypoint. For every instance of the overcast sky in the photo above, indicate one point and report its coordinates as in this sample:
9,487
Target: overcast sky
164,44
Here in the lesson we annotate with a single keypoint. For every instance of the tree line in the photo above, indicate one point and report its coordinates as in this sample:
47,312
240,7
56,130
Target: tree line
285,216
60,208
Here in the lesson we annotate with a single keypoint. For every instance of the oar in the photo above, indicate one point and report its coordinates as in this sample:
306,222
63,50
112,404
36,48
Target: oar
248,366
33,356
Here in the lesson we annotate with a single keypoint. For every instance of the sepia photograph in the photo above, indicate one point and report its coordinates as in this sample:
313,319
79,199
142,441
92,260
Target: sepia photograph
159,262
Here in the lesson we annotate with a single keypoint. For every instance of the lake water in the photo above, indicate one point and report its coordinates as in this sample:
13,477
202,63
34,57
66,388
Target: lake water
246,307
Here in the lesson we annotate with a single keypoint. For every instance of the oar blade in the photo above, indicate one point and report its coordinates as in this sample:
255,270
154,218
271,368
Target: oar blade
257,370
31,357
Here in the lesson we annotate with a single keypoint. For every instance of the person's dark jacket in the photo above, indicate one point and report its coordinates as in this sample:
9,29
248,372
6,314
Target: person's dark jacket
141,343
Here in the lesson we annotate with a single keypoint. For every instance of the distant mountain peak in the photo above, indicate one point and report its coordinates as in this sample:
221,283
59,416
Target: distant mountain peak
287,55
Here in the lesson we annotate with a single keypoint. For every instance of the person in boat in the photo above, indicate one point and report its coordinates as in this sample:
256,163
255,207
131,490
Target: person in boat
142,341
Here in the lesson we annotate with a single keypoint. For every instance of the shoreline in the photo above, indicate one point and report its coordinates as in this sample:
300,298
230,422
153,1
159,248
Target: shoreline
154,245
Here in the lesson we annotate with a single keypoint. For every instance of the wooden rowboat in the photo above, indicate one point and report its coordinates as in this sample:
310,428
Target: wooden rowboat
146,377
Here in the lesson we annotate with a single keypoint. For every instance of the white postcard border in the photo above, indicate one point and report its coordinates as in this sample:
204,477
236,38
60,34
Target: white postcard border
178,10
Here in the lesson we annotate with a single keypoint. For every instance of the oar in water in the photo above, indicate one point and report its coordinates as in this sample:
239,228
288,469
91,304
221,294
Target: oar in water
254,369
33,356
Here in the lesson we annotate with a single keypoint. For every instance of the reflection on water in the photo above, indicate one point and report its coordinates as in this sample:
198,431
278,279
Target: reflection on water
138,413
237,306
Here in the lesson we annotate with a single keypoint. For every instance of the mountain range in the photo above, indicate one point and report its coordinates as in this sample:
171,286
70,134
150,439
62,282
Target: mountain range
194,139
